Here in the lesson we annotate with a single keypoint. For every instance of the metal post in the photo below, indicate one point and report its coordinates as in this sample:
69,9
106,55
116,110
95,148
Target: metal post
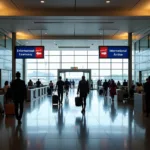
130,61
13,55
140,76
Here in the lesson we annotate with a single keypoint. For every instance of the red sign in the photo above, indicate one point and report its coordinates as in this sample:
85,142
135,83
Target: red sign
39,53
103,52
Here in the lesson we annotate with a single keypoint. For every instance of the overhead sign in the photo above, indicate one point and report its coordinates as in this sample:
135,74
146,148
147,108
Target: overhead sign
27,52
121,52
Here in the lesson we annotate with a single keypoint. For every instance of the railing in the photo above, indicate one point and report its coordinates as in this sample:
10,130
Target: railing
35,93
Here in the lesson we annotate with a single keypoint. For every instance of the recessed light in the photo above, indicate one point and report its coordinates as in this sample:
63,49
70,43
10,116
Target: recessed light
107,2
45,33
42,1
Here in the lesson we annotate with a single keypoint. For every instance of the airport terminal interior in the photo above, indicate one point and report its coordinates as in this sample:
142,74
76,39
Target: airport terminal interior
99,39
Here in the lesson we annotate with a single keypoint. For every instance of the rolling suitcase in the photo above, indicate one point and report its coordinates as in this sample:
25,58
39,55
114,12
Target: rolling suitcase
9,109
78,101
55,99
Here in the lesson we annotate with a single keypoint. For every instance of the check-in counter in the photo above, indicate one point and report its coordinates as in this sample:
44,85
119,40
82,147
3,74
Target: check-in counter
36,92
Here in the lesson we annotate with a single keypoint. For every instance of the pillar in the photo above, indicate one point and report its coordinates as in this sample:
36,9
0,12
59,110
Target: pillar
13,55
130,61
140,76
24,70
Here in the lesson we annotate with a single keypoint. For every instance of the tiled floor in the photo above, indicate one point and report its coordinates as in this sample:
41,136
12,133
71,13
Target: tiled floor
105,126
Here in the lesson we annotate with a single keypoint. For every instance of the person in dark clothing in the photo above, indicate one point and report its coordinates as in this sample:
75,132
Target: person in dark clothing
125,83
38,83
83,89
105,86
60,88
30,83
18,95
51,87
73,84
67,84
147,96
118,84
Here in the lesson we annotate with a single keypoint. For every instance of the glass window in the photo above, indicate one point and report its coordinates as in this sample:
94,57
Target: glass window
31,60
54,52
67,65
67,52
67,58
54,58
93,53
31,73
80,58
104,60
117,78
92,65
43,73
144,43
104,65
116,72
81,65
54,79
125,65
45,59
104,72
95,73
93,59
31,65
116,65
44,80
46,52
80,52
125,72
54,65
125,60
116,60
42,66
105,78
53,73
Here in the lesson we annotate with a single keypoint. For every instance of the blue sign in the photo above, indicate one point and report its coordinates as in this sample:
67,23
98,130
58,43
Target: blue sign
121,52
23,52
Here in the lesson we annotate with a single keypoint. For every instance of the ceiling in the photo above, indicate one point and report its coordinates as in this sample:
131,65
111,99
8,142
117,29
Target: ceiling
74,8
73,44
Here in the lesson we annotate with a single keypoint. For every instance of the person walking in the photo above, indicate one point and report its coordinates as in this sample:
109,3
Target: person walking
67,84
51,87
147,96
18,95
105,87
60,88
113,88
83,89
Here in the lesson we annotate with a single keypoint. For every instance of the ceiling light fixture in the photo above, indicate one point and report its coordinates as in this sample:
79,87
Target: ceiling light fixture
42,1
107,2
45,33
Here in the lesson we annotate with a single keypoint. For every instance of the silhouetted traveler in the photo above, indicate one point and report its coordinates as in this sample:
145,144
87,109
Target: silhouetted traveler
60,88
83,89
6,87
38,83
147,96
30,83
125,83
66,85
18,95
105,86
112,89
118,84
73,84
51,87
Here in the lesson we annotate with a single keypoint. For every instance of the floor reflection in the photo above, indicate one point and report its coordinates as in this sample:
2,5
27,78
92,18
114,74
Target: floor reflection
106,125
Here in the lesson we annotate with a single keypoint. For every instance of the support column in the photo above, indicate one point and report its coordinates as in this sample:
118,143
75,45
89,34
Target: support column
13,55
140,76
130,61
24,70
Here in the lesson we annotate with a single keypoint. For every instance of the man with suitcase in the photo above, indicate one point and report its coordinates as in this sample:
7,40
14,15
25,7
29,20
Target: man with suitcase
18,95
83,89
60,89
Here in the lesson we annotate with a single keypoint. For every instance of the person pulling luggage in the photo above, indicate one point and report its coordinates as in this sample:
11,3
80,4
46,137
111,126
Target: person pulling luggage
67,84
83,90
60,88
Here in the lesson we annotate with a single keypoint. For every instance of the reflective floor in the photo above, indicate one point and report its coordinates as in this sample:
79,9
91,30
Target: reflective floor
105,126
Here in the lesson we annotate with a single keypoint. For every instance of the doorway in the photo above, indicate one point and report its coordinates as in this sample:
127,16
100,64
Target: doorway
75,75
